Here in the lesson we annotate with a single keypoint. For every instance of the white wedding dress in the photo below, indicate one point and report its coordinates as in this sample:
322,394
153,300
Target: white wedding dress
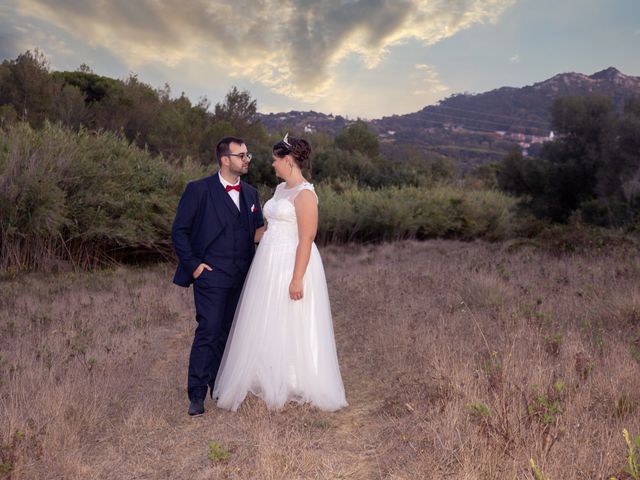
280,349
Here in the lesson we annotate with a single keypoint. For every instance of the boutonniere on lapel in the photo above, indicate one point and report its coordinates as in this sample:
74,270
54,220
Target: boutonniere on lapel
253,208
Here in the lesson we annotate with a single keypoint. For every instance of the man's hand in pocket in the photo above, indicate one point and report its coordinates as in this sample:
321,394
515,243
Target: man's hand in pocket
200,269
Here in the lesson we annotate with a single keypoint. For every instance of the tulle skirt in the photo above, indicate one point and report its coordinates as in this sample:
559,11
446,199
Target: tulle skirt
279,349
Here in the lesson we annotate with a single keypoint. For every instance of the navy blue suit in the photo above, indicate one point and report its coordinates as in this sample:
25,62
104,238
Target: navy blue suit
209,228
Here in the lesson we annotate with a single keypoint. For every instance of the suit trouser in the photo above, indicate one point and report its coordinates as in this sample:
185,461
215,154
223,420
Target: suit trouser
215,308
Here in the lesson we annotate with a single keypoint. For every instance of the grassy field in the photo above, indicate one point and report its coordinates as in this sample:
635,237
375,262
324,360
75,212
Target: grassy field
460,360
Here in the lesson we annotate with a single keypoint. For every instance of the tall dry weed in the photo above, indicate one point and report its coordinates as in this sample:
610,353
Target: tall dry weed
461,360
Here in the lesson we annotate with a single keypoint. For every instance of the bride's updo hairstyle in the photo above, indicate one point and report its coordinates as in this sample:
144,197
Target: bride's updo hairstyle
298,148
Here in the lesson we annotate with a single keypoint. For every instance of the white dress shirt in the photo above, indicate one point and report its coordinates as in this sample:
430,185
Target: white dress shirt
234,194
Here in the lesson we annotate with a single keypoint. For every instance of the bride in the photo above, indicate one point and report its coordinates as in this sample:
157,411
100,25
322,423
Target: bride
281,346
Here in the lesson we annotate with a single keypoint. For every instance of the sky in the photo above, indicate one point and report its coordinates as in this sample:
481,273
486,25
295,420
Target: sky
356,58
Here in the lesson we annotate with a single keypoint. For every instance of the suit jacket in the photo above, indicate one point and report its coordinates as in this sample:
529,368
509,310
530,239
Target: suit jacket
205,215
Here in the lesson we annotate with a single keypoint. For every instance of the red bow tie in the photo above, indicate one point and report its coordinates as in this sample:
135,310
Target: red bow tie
233,187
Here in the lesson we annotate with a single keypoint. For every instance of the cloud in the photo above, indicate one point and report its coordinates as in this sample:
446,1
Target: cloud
292,47
636,32
8,35
515,59
370,94
19,35
8,46
428,81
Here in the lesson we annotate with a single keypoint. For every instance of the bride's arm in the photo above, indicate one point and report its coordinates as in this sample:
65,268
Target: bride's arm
307,216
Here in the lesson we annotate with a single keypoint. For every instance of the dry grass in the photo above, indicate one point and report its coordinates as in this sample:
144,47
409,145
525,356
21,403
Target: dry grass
460,360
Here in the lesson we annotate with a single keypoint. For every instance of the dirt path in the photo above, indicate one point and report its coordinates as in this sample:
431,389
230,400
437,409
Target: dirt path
157,439
298,442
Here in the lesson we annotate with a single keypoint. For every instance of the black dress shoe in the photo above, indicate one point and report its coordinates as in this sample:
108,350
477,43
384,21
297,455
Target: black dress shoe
196,407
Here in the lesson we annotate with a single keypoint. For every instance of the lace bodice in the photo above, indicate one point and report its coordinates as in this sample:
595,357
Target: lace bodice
280,211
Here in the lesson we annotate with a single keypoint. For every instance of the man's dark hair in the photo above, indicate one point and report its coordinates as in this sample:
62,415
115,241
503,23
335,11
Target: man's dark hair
222,148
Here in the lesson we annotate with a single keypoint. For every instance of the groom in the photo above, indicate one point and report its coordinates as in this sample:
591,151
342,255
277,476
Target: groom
213,236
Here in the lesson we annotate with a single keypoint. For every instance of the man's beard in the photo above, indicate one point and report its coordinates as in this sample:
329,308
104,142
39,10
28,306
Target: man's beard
238,172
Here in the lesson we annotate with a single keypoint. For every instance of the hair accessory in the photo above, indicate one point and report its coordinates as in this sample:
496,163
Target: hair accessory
286,140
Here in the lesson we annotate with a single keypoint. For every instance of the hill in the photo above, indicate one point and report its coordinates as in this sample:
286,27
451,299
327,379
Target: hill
475,128
515,110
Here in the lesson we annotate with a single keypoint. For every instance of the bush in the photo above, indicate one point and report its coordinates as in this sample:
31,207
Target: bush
81,199
351,213
86,198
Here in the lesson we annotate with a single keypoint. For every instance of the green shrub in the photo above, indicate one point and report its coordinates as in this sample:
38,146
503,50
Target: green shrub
217,453
90,198
82,197
351,213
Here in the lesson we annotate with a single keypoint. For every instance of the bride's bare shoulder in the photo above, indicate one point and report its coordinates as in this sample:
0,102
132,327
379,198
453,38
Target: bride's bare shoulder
306,194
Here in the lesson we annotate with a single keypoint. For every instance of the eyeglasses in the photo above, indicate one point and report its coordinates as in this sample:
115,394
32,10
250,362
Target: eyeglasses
243,156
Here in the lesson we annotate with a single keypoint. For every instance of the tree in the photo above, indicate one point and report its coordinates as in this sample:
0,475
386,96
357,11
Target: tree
583,120
28,86
238,108
239,111
69,106
94,87
357,138
593,166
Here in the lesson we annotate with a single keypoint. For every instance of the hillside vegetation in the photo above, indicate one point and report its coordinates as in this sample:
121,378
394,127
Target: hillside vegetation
91,170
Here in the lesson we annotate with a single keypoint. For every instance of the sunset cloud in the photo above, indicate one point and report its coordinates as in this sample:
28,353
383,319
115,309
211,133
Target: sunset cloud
290,47
429,82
